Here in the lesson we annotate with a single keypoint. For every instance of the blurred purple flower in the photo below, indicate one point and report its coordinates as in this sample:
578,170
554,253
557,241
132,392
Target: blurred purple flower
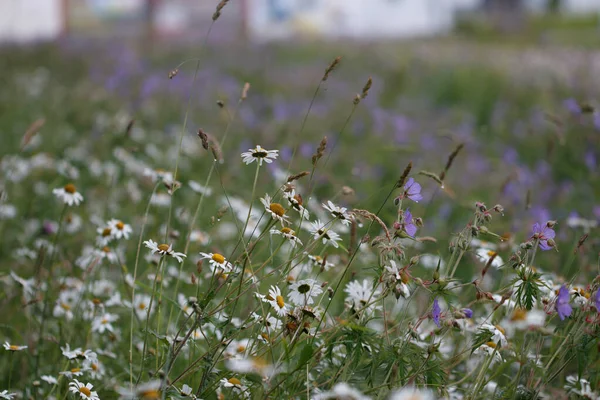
597,120
436,312
562,303
408,223
468,312
597,300
412,190
571,105
543,233
590,160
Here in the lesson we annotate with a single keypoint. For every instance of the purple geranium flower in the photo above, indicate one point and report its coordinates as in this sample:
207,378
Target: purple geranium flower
412,190
597,300
543,233
562,303
436,312
468,312
408,223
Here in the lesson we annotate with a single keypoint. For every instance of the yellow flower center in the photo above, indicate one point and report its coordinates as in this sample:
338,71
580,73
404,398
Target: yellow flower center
104,321
150,394
120,225
519,315
106,232
75,370
298,199
234,381
280,302
142,306
65,306
277,209
218,258
95,367
70,188
241,348
287,231
13,347
106,249
491,344
491,253
85,391
163,247
96,301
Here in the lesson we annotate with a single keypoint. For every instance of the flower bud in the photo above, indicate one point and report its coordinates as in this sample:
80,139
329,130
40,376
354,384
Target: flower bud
550,224
419,222
551,242
499,209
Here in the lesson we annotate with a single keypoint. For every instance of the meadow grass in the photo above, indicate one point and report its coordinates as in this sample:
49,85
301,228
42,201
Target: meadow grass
282,223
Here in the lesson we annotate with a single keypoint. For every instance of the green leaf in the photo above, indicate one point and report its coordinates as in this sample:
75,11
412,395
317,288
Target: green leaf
305,354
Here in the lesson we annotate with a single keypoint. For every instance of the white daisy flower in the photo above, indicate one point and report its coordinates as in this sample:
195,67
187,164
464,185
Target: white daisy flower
91,256
164,249
119,229
412,393
13,347
287,233
295,201
72,223
5,394
320,231
148,390
276,300
199,188
340,213
94,368
84,391
498,334
488,349
236,385
184,304
217,260
276,210
78,353
259,154
141,302
49,379
67,300
302,292
485,255
341,391
73,372
104,322
362,295
580,387
320,262
68,195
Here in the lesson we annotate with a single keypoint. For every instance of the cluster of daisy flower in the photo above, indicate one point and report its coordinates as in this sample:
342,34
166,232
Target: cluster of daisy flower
222,290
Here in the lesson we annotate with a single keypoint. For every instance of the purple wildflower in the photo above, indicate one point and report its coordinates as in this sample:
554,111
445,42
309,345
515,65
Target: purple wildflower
543,233
597,300
562,303
408,223
468,312
436,312
412,190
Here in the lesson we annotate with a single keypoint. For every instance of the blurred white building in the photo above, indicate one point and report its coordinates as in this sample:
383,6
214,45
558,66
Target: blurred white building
30,20
357,19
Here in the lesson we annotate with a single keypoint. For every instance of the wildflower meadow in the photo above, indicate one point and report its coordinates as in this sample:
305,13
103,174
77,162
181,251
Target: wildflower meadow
291,222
